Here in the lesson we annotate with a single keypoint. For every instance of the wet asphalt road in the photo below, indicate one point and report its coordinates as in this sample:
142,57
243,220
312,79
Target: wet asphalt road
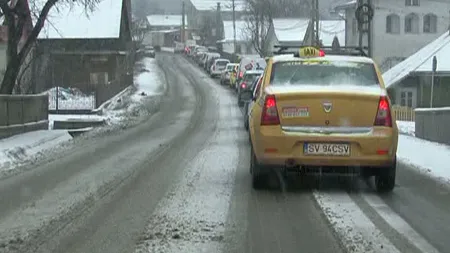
180,182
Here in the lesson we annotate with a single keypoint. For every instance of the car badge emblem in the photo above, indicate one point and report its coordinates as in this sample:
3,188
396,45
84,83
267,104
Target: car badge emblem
327,106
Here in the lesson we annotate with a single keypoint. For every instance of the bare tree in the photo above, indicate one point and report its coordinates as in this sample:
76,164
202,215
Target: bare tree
258,20
17,16
138,31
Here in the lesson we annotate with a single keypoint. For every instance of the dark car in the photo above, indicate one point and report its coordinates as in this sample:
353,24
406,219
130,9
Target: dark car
248,102
246,82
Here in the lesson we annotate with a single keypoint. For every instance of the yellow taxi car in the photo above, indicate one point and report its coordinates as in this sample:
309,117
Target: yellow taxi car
233,77
318,113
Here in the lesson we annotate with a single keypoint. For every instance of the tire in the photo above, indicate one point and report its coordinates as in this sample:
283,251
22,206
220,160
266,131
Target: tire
385,178
259,177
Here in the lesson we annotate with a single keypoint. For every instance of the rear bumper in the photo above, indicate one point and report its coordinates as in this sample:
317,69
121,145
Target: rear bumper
278,148
216,73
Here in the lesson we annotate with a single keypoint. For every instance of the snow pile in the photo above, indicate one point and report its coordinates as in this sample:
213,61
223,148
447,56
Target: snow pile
406,127
426,156
70,99
19,148
148,85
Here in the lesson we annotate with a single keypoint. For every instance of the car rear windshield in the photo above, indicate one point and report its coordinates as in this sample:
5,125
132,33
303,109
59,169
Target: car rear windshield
324,73
230,67
221,63
250,77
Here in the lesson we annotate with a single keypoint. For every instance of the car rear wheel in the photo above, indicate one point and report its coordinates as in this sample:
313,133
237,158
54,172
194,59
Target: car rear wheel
385,178
259,177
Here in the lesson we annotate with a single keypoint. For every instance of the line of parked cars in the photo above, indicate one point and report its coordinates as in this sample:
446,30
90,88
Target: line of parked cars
240,76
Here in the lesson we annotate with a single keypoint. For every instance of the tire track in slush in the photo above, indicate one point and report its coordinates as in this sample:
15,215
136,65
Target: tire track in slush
192,216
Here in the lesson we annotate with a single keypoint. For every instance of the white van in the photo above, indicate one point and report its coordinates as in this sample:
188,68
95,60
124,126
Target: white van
250,62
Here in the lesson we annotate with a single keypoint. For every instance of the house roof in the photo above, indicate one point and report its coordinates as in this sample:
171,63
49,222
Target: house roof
344,5
166,20
421,61
241,31
225,5
70,20
290,29
328,29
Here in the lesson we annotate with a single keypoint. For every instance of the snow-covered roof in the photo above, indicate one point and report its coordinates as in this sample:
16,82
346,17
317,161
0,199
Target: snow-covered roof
328,29
345,5
225,5
70,20
290,29
421,61
166,20
241,31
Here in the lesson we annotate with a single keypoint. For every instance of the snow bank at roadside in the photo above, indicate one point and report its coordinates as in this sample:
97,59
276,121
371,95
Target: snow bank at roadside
19,148
407,127
428,157
148,84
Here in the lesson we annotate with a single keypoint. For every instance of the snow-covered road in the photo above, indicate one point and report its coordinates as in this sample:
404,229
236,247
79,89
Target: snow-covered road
179,182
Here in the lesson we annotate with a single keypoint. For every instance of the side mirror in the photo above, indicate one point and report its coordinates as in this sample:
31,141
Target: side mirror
247,95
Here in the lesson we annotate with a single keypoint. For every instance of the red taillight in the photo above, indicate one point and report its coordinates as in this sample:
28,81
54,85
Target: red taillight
384,113
269,114
243,85
241,74
321,53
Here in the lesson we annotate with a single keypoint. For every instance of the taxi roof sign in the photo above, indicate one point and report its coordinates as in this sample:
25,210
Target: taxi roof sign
310,52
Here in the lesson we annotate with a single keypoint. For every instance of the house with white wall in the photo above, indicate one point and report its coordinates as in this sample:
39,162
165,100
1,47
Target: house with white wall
202,17
328,30
399,27
243,38
286,32
165,22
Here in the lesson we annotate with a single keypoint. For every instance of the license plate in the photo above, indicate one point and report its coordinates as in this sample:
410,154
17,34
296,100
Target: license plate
327,149
295,112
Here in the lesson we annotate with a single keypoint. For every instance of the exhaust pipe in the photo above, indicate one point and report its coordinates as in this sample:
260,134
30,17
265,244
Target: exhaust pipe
290,163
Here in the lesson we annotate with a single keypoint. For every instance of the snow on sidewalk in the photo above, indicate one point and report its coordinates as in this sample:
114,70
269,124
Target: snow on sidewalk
406,127
150,81
426,156
19,148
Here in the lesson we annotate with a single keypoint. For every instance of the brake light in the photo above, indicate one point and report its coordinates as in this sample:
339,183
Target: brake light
241,74
243,85
384,113
269,114
321,53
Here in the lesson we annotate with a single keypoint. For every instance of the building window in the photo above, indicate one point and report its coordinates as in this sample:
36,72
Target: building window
412,2
99,78
408,97
430,23
393,24
412,23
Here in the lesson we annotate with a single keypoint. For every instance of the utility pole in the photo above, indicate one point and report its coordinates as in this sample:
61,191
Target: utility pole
315,40
183,24
234,26
364,14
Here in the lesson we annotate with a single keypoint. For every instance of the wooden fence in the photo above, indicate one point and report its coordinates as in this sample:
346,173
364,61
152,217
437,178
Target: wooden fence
404,113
